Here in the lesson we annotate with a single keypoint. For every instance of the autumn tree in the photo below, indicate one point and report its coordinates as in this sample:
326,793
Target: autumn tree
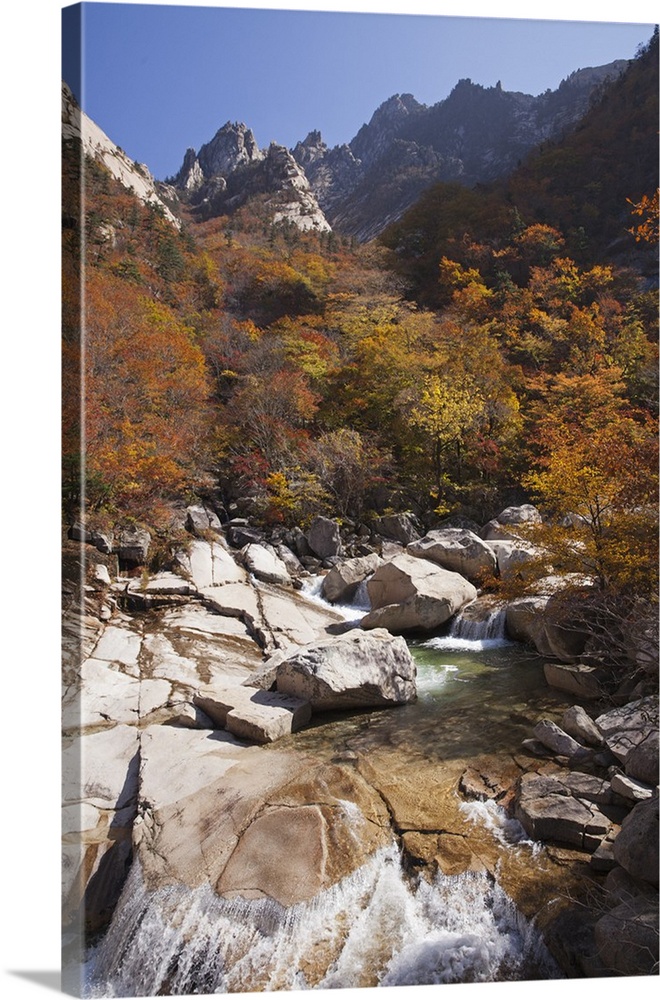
145,400
348,465
599,485
444,411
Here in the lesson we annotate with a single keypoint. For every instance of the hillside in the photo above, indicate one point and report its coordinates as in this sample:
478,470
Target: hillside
280,372
582,185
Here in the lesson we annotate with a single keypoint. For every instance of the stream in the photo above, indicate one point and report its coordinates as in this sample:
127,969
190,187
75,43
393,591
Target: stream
478,694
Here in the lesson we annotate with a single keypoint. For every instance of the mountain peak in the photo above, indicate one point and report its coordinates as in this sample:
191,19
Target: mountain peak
77,126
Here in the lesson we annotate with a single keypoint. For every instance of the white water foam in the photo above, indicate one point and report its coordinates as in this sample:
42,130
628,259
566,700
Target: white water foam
506,830
430,679
376,927
353,612
468,634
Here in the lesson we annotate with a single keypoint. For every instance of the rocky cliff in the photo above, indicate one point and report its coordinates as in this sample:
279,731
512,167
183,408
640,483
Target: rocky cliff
77,126
475,135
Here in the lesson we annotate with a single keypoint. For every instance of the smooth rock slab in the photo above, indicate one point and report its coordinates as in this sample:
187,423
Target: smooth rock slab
259,866
291,619
102,768
105,695
178,763
118,645
356,670
210,564
254,714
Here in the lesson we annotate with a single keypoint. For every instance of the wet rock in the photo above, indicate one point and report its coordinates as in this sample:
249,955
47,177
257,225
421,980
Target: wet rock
342,581
324,537
409,593
457,549
320,810
215,811
636,847
358,670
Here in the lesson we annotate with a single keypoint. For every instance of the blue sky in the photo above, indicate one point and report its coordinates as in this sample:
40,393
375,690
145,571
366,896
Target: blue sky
159,79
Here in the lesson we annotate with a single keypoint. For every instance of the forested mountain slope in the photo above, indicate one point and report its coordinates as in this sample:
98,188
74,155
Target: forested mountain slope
489,353
582,185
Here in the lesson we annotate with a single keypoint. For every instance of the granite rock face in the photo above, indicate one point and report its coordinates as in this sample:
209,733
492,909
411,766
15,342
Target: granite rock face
548,809
408,593
343,580
459,550
357,670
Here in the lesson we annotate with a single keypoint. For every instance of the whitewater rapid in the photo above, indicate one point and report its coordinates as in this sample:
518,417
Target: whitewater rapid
377,927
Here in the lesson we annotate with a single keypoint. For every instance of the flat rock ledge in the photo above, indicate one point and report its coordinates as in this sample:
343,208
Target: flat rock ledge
254,715
558,809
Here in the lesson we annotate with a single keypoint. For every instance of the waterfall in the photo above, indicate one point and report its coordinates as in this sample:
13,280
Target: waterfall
491,627
312,589
470,633
375,927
